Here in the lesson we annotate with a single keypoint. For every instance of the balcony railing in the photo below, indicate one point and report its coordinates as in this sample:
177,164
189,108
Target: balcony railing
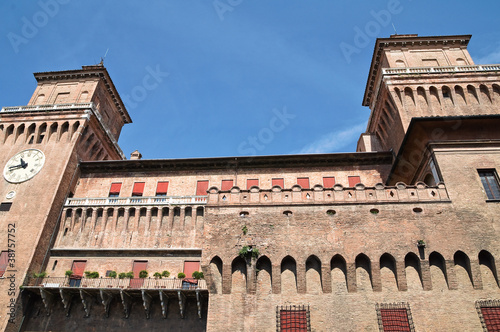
440,70
40,108
143,201
112,283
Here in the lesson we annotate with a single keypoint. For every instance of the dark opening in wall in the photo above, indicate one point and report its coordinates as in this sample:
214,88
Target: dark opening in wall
5,206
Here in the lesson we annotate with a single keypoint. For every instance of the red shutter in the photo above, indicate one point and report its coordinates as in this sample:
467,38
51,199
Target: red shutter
201,188
138,189
4,260
279,182
252,182
328,182
78,268
226,185
190,267
115,188
293,320
162,188
138,267
395,320
491,316
354,180
303,183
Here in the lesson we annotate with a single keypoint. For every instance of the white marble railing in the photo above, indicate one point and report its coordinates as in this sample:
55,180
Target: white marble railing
440,70
141,201
35,108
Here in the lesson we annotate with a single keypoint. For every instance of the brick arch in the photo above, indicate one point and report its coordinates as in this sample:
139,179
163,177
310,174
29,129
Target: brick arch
422,101
64,132
264,277
388,272
496,93
30,134
20,131
338,268
88,142
53,132
215,268
460,96
439,276
314,278
484,93
239,275
409,98
488,270
472,95
9,134
413,271
463,270
288,275
434,99
74,129
447,101
364,280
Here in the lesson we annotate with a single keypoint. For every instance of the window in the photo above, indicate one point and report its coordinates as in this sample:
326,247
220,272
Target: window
137,267
489,179
328,181
293,318
4,260
162,188
138,189
354,180
201,188
395,317
278,182
190,267
226,185
252,182
5,206
114,191
489,314
303,183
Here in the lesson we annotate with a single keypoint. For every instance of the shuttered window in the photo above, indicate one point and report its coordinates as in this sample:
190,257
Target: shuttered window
4,261
395,320
489,180
293,319
278,182
491,317
137,267
354,180
303,183
162,188
328,181
201,188
252,182
114,191
78,267
190,267
138,189
226,184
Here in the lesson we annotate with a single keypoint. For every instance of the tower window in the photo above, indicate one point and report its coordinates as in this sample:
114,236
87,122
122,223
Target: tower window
293,318
489,179
138,189
162,188
395,317
114,191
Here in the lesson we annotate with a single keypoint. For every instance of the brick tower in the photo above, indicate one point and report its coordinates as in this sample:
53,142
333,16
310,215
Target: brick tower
72,116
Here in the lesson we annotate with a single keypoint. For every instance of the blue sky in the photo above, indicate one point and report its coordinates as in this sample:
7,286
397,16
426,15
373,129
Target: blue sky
233,77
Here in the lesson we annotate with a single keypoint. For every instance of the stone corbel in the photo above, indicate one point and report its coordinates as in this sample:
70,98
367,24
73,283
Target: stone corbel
48,300
182,302
199,299
86,301
66,298
164,303
106,299
146,301
127,302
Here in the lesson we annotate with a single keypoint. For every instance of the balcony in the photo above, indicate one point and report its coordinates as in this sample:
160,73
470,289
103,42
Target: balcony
440,70
137,201
126,291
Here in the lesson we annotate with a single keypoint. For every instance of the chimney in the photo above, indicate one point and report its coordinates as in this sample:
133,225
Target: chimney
136,155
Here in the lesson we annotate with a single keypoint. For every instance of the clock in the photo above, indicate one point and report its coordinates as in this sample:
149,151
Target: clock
24,165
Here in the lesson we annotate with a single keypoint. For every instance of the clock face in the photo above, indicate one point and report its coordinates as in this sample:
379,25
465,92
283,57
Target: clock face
24,165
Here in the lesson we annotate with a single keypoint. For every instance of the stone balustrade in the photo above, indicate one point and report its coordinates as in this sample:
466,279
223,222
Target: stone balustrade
336,195
136,201
439,70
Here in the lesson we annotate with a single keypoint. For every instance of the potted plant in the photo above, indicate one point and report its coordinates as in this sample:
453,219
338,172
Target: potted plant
181,275
165,274
129,275
421,243
122,275
143,274
112,274
157,275
198,275
68,273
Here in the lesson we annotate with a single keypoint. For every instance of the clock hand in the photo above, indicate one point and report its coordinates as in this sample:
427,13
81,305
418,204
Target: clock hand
15,167
23,163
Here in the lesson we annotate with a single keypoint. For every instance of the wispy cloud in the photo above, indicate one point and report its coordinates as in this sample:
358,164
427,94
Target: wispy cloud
491,58
334,141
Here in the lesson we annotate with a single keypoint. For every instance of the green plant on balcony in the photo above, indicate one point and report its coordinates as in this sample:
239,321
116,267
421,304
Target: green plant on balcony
198,275
165,274
143,274
68,273
91,274
122,275
181,275
112,274
248,252
157,275
244,229
129,275
40,275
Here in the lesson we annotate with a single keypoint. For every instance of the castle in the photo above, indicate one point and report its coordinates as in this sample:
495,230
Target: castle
401,235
